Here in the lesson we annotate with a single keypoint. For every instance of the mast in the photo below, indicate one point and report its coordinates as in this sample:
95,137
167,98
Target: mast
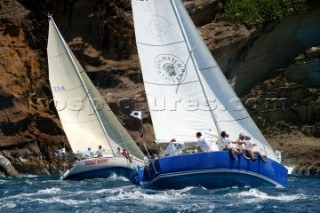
83,84
194,61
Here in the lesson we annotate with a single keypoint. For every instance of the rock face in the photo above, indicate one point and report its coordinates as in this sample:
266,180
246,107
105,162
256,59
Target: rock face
29,134
275,47
7,168
288,110
101,35
306,69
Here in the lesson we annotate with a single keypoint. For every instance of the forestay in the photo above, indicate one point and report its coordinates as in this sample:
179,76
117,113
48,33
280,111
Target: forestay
186,90
86,119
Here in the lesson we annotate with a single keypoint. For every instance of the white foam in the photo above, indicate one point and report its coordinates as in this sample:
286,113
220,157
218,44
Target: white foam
22,195
30,176
290,169
101,191
139,194
189,188
4,181
195,207
45,191
115,177
256,196
180,193
105,190
69,202
49,191
9,205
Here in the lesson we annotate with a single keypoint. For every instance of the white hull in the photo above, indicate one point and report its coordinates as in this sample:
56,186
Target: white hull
86,122
103,167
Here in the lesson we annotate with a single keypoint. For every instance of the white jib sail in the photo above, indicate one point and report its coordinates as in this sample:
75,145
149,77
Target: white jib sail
186,90
86,118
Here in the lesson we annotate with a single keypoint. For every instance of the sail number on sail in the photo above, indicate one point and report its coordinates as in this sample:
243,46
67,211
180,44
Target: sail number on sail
58,89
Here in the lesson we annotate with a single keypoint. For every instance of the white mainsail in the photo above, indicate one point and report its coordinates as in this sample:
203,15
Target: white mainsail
186,90
86,119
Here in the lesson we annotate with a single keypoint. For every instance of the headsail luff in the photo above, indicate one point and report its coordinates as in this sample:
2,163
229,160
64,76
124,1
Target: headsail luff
86,119
179,69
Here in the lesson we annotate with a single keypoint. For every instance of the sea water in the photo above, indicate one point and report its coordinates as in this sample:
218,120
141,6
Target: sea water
117,194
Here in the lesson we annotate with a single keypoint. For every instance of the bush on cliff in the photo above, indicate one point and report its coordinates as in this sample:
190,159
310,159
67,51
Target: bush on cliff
254,13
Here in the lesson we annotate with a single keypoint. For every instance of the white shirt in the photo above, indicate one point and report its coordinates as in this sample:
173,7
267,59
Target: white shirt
249,144
172,149
203,144
99,152
222,143
230,144
225,143
88,154
239,146
118,154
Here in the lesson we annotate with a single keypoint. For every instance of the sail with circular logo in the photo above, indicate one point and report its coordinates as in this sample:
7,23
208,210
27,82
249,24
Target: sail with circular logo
186,90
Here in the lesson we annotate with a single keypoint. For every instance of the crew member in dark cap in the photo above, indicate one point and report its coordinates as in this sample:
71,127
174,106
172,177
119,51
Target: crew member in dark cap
202,144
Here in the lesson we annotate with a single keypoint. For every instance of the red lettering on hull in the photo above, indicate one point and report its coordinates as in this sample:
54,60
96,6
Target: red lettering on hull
96,161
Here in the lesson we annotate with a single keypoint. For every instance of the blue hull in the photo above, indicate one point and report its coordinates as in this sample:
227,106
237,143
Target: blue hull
211,170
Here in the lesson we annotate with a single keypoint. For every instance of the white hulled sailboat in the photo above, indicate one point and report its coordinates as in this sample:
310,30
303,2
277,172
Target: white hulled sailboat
86,118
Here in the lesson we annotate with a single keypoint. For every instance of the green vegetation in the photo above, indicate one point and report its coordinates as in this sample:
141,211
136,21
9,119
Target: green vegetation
256,12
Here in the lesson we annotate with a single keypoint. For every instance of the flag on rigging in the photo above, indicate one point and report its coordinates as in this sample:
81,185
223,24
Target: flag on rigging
136,114
62,151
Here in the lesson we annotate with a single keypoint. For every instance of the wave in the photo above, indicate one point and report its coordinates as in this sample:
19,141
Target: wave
45,191
256,196
95,194
4,181
9,205
115,177
69,202
49,191
142,194
30,176
138,199
290,169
